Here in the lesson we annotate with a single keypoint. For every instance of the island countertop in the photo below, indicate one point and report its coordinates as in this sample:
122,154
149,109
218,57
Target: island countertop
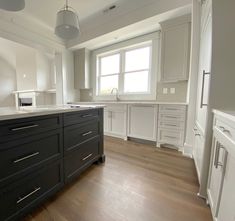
7,113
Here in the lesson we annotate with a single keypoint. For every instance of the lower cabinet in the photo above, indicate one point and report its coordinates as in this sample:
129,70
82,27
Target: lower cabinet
142,122
221,181
25,194
78,160
33,166
115,117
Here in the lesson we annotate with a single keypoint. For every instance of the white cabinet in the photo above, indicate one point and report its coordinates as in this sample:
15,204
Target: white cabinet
142,121
115,120
216,176
221,181
175,49
81,69
171,125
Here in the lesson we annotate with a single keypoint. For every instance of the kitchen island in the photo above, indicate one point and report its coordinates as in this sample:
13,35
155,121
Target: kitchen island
42,149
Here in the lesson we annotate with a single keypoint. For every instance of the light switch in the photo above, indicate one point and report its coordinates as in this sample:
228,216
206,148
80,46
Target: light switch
165,90
172,90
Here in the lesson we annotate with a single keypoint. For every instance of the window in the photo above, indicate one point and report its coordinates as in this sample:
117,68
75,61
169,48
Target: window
128,70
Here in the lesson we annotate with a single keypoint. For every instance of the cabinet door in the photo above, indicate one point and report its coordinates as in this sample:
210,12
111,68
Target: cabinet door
107,116
175,52
215,180
142,122
204,73
198,152
118,123
227,203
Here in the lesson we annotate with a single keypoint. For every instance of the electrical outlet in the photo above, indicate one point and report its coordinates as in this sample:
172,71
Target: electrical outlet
172,90
165,90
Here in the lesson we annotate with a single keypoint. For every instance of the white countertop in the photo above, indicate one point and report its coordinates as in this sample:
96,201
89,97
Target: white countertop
131,102
7,113
229,114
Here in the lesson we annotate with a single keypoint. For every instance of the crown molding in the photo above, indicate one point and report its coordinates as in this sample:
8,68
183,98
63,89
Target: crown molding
22,30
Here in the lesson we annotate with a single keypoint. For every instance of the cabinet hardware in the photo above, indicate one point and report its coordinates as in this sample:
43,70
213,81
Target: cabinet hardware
171,137
28,195
203,84
171,125
25,127
217,154
26,157
173,109
88,156
171,117
87,115
87,133
224,130
198,135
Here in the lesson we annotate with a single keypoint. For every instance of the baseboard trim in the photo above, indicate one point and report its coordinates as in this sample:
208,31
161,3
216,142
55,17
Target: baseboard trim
188,150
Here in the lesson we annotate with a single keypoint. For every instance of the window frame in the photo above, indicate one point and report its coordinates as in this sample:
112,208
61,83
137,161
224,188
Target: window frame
122,64
151,40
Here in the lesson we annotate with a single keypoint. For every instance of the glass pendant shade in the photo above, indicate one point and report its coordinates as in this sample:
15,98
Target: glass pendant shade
67,24
12,5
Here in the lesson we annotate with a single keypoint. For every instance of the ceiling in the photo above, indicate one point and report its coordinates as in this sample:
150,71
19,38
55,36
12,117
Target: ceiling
44,11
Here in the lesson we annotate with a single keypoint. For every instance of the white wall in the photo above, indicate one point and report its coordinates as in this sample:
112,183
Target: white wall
7,83
26,69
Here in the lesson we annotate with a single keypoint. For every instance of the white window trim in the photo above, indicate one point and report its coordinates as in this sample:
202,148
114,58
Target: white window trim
125,46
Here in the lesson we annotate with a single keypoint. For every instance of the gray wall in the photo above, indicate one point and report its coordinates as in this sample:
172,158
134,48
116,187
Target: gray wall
7,83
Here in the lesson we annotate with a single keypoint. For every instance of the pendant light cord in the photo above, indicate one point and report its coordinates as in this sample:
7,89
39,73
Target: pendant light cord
66,5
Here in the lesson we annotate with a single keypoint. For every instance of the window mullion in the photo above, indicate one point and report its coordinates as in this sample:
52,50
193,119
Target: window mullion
122,70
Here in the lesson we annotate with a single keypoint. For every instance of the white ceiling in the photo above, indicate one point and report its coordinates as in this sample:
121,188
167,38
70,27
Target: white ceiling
44,11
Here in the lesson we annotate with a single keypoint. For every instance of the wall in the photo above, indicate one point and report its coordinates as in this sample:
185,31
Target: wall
26,69
180,92
43,71
7,83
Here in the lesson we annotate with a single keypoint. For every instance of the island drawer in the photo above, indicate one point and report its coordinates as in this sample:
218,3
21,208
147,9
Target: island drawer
16,128
82,116
79,159
19,197
24,154
74,135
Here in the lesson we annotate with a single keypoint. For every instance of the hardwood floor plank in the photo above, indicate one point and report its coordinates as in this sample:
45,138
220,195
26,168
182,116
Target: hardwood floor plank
137,183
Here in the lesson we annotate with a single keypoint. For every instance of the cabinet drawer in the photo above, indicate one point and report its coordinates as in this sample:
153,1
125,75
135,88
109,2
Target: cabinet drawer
17,198
171,137
80,116
226,129
87,153
13,129
76,134
165,117
172,109
21,155
173,125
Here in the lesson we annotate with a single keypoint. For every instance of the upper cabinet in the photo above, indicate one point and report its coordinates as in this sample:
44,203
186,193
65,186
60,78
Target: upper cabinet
175,49
81,69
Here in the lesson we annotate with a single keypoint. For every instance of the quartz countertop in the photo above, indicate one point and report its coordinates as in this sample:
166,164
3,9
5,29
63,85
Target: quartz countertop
130,102
229,114
7,113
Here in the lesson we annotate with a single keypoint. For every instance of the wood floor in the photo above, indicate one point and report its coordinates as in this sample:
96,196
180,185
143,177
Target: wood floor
137,183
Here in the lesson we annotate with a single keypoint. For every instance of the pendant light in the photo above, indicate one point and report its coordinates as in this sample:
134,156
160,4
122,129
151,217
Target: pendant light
67,24
12,5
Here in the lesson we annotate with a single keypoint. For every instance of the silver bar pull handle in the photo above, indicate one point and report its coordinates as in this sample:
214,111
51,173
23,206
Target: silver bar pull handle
88,156
26,157
216,159
24,128
171,137
171,117
28,195
203,84
87,133
87,115
224,130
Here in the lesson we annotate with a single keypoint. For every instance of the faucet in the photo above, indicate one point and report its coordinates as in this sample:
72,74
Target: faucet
117,93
